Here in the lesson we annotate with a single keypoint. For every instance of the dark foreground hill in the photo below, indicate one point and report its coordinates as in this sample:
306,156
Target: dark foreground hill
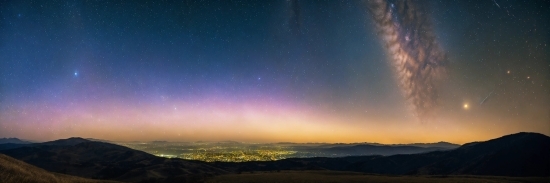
99,160
324,176
12,170
521,154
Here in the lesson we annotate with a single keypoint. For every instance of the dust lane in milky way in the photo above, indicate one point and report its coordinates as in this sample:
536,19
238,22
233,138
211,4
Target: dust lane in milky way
414,53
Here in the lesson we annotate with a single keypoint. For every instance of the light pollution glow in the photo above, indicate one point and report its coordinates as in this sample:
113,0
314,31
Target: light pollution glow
249,121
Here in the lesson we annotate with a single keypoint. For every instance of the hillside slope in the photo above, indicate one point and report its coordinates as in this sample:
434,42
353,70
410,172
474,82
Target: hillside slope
99,160
12,170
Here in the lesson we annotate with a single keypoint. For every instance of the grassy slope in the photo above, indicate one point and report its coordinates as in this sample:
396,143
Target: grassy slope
12,170
351,177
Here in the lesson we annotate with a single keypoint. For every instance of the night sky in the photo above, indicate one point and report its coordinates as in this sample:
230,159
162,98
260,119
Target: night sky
270,71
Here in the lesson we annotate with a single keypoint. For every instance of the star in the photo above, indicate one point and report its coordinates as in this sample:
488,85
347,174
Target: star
75,73
466,106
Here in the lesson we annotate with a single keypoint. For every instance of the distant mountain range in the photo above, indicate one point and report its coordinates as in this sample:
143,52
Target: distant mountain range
13,141
446,145
361,150
341,150
10,143
521,154
443,145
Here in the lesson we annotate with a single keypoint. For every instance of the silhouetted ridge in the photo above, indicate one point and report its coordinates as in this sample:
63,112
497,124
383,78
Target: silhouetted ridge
509,140
521,154
64,142
61,142
100,160
13,141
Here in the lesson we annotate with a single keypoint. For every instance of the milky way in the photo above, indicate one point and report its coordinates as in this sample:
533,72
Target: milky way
414,53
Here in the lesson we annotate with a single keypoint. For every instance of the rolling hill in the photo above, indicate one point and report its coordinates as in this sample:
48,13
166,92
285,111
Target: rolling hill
12,170
99,160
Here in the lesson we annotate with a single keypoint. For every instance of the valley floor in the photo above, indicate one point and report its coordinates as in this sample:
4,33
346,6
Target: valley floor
351,177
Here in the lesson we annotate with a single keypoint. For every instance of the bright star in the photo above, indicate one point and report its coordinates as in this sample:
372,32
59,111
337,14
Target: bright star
75,73
465,106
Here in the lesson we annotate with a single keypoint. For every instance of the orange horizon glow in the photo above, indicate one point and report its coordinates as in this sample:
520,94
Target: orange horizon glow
246,122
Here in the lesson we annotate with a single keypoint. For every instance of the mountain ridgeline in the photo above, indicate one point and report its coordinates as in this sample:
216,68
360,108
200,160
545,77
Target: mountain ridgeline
100,160
13,141
521,154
